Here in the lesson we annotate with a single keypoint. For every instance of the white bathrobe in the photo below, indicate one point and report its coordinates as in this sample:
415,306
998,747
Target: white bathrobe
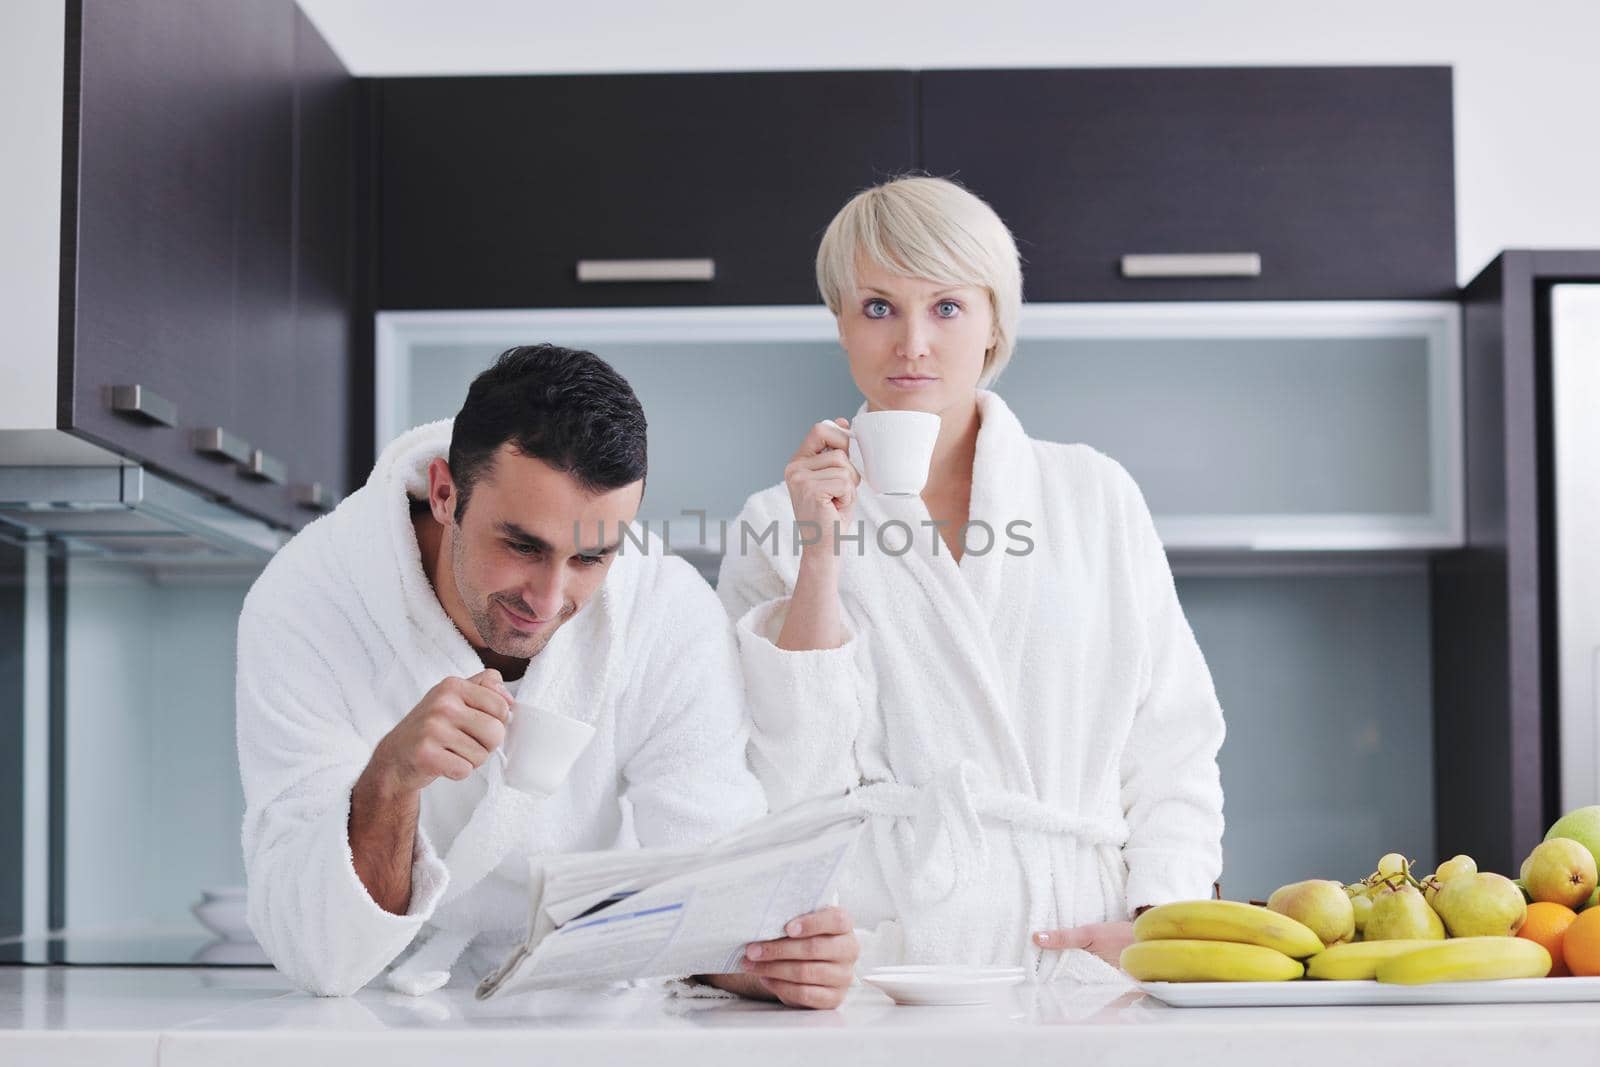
1035,732
340,638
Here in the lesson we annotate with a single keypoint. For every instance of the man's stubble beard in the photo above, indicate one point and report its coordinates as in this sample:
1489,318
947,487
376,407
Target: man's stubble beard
498,636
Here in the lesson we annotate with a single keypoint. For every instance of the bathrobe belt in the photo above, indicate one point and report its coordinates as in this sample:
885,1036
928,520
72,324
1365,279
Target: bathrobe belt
947,817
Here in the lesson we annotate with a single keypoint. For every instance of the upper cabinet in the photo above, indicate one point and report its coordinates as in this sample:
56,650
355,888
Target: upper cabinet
1226,184
667,189
328,137
207,222
1120,184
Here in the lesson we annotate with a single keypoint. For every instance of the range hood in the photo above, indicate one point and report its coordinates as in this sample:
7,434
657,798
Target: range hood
126,514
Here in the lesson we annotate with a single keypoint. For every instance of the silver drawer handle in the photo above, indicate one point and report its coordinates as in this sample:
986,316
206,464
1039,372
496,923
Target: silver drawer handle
136,401
217,443
1193,265
312,497
264,468
646,270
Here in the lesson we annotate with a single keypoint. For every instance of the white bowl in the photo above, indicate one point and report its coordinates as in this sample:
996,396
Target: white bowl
224,917
227,892
944,985
225,951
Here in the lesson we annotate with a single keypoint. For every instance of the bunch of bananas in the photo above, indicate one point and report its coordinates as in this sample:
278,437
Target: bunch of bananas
1217,941
1226,941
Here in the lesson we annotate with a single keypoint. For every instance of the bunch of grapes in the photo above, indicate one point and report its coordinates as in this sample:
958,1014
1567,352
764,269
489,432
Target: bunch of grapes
1394,871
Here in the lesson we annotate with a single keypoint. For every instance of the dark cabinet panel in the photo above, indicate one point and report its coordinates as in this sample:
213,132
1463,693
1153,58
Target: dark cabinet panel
157,191
1496,629
196,241
494,188
325,201
264,144
1341,180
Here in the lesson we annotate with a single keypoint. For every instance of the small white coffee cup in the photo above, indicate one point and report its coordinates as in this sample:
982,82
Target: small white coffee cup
540,748
892,449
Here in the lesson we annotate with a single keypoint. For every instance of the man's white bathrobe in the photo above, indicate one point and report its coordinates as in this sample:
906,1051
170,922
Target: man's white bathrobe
1035,732
340,638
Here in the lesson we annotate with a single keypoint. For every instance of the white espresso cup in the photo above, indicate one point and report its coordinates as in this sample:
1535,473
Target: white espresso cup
892,449
540,748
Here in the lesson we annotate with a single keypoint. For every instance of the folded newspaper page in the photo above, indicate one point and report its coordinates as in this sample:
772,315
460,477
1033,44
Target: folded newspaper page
656,913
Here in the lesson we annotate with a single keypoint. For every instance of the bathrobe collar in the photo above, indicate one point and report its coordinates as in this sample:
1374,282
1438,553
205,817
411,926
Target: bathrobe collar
967,596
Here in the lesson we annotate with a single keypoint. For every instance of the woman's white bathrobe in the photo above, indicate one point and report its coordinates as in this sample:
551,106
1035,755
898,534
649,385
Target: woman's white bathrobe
1035,732
340,638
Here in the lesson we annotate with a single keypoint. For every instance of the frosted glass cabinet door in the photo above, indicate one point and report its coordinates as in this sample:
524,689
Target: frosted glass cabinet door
1259,426
729,393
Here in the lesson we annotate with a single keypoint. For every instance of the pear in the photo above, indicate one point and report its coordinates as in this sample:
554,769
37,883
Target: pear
1319,903
1561,871
1481,905
1581,825
1401,912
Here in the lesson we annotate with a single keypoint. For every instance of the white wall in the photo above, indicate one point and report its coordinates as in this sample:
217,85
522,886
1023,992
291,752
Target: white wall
32,43
1527,91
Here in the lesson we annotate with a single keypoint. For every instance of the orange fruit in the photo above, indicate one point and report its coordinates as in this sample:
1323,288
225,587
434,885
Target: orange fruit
1548,924
1581,945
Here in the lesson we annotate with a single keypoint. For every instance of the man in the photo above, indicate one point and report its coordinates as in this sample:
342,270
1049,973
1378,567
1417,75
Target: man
381,649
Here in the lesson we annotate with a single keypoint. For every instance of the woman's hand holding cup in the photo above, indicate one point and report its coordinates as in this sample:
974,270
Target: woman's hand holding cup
823,484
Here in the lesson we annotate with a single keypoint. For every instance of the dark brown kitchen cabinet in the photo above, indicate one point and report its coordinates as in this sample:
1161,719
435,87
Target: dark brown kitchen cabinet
327,140
494,188
1339,180
1497,613
196,263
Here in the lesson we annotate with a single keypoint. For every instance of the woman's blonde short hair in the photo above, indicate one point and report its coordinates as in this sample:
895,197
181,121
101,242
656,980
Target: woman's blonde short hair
927,228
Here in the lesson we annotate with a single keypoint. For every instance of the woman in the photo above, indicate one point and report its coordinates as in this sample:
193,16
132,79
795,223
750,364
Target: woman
1016,699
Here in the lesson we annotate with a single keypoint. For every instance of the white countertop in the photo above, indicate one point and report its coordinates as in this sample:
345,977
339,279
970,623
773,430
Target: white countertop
148,1016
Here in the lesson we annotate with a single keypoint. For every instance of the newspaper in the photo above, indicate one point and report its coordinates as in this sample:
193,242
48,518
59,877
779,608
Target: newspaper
648,913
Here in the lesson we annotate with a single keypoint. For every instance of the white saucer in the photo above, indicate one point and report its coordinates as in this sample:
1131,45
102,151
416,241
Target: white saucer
944,985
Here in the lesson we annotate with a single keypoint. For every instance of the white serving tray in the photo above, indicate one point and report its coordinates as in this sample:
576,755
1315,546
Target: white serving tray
1308,992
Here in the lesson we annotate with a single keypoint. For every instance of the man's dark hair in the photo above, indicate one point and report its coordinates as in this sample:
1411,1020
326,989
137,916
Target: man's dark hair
561,405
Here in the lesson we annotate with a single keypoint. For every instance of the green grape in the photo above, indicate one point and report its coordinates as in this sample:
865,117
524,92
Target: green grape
1362,906
1391,864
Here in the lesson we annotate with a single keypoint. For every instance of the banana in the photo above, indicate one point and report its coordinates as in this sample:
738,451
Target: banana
1227,920
1207,961
1468,959
1358,960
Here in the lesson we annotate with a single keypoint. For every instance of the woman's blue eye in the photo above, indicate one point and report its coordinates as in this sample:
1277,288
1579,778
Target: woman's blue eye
947,309
876,309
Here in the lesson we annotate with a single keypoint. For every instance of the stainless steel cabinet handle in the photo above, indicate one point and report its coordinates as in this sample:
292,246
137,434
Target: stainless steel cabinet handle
217,443
135,401
264,468
313,497
646,270
1193,265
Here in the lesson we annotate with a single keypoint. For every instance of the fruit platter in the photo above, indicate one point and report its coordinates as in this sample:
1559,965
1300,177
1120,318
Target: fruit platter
1457,936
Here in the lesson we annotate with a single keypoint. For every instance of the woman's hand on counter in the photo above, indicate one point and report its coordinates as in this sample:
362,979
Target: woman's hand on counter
1106,940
